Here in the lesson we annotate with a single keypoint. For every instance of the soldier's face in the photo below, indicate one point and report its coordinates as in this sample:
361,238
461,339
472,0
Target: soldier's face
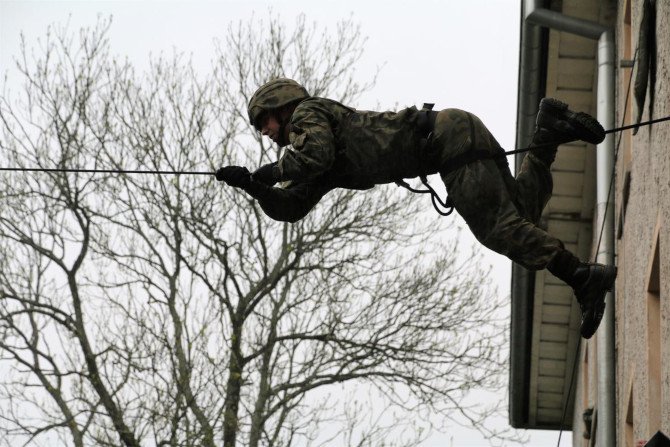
270,127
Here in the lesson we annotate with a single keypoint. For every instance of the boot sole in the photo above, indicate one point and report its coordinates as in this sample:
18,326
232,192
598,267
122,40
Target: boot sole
582,125
592,317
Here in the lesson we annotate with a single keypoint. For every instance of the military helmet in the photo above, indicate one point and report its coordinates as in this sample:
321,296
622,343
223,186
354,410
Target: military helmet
273,95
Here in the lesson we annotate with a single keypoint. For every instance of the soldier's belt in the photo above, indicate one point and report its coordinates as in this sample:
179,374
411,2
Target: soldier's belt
426,119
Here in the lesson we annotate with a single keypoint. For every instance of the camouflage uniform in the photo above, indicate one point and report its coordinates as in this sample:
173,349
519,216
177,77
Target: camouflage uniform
335,146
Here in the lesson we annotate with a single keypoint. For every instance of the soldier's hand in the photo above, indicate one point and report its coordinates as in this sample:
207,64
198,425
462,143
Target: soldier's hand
237,176
267,174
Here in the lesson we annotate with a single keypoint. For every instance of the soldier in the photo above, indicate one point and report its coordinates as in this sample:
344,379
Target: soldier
335,146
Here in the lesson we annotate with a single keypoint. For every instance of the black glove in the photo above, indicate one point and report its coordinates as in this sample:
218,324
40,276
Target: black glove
237,176
268,174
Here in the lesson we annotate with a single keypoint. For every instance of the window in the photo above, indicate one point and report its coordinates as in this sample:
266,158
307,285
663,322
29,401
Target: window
629,429
626,73
654,337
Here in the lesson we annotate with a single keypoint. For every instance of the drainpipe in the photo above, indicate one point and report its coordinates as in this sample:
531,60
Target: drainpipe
606,428
531,89
605,255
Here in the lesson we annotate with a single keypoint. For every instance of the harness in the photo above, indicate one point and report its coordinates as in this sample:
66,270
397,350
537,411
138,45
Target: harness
426,124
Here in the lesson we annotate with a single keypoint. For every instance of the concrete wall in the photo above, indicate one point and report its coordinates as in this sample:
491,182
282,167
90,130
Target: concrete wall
642,229
642,198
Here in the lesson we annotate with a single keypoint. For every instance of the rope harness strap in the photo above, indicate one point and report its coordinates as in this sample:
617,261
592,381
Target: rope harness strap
426,126
447,205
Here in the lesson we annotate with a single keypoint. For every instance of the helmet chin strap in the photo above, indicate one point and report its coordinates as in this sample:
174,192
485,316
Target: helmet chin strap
284,128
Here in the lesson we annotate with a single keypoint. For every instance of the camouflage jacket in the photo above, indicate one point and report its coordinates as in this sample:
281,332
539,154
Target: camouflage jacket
335,146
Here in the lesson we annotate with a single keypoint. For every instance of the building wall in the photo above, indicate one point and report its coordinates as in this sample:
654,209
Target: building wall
642,229
642,241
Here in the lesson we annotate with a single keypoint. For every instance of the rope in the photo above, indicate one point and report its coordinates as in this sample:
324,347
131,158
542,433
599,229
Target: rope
602,225
108,171
479,156
572,380
438,203
616,129
447,204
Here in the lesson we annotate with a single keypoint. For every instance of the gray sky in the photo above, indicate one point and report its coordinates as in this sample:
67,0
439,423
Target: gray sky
454,53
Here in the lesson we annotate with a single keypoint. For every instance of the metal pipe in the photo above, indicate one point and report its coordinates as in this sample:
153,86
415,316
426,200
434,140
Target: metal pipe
555,20
530,91
606,428
606,435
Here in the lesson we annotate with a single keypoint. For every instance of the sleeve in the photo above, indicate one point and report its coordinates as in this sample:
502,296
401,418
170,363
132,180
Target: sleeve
288,204
313,144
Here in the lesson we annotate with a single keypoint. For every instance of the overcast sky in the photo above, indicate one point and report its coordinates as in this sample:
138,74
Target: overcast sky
455,53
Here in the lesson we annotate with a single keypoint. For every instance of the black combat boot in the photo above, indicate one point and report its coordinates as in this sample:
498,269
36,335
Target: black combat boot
590,282
567,125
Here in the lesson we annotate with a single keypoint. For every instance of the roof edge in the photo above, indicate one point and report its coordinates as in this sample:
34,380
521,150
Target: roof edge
531,88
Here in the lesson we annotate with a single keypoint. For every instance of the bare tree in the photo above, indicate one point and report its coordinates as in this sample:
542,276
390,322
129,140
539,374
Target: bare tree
168,310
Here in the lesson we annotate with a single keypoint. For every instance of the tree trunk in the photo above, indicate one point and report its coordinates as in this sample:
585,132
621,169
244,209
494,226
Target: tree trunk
233,386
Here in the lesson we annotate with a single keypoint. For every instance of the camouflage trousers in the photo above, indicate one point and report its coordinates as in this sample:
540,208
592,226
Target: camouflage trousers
501,211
